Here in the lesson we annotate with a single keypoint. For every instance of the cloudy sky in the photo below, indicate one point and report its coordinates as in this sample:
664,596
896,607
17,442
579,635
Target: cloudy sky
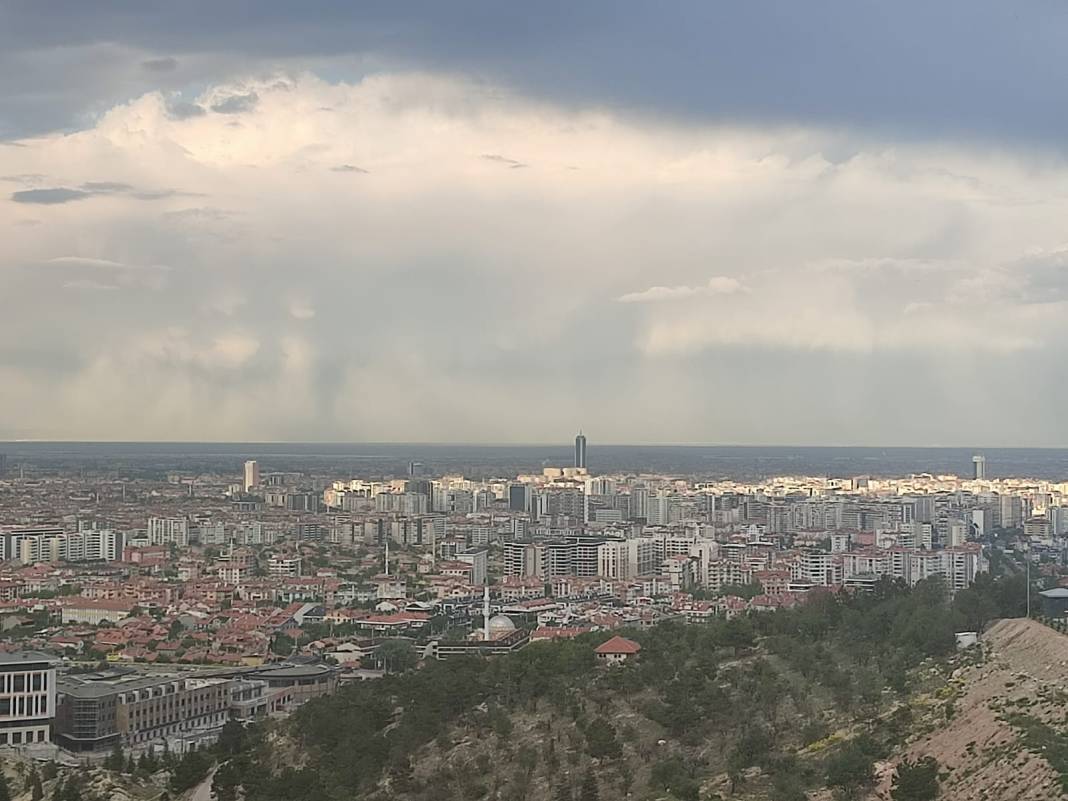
770,222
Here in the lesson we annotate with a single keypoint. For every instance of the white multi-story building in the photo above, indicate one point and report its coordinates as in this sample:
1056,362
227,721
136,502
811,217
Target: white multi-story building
617,559
522,560
168,530
252,474
90,545
477,558
284,566
213,533
95,545
820,568
27,698
255,532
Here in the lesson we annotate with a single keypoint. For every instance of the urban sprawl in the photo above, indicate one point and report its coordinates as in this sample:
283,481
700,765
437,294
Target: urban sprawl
145,612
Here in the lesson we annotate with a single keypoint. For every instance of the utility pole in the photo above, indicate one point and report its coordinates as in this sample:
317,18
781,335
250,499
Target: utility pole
1028,585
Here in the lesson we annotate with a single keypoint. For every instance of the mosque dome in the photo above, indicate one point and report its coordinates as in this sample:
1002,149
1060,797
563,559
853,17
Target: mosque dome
500,624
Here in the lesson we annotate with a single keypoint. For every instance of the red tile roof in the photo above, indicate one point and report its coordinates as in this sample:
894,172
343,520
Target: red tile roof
618,645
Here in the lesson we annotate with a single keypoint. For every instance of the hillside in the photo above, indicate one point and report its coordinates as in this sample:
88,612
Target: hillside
1006,739
777,707
822,702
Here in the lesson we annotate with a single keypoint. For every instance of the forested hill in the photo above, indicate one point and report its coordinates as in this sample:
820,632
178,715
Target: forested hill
764,707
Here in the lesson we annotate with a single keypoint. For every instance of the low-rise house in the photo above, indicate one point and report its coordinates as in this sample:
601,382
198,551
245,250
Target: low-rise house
617,651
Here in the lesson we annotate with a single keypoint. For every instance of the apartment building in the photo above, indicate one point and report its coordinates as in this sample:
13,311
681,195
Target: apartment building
283,566
168,531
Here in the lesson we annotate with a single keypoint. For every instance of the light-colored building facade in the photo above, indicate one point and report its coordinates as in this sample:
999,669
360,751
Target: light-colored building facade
27,698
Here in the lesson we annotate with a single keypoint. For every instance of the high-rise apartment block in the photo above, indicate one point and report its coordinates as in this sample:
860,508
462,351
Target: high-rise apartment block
252,474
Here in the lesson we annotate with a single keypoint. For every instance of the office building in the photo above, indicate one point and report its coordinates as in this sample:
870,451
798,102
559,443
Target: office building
519,497
580,451
27,698
252,474
302,682
979,467
95,711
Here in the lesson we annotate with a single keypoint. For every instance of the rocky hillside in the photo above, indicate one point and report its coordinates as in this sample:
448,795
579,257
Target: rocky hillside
999,726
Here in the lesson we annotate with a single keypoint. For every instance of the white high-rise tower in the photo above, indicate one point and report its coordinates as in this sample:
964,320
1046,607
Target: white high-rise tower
252,474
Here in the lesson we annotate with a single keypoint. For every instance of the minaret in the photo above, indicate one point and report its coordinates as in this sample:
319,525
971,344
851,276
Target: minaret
485,613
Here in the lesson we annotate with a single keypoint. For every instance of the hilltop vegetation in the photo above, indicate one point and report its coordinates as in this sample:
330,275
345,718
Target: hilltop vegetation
768,706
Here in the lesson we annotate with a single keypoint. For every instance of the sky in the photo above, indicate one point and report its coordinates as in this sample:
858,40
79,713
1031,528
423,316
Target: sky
829,223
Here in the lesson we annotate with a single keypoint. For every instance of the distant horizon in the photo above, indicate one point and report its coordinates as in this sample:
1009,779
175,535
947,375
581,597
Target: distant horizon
519,444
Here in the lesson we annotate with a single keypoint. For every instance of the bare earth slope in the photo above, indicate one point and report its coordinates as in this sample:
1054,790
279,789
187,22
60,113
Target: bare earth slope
990,724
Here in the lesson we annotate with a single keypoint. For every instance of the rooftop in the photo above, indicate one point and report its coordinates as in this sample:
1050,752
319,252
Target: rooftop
25,658
618,645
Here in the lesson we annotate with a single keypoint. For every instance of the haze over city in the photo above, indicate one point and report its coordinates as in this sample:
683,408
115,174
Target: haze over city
761,223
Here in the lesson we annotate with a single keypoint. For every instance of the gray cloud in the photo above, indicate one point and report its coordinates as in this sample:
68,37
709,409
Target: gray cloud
508,288
348,168
236,104
50,196
499,159
160,64
183,111
106,187
766,62
57,195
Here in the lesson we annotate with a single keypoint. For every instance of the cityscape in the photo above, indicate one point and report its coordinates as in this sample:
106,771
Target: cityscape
144,613
584,401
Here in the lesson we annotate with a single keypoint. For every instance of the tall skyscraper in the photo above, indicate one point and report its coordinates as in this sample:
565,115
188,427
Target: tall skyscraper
252,474
978,467
580,451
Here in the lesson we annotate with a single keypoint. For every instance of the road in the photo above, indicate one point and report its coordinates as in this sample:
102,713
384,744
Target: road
202,792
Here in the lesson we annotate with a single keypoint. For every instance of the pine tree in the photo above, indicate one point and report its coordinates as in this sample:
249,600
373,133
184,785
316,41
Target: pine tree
72,790
5,791
36,790
563,792
589,790
115,760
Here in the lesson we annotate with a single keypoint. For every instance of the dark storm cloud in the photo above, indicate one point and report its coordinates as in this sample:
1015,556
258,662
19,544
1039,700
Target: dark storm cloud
978,68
